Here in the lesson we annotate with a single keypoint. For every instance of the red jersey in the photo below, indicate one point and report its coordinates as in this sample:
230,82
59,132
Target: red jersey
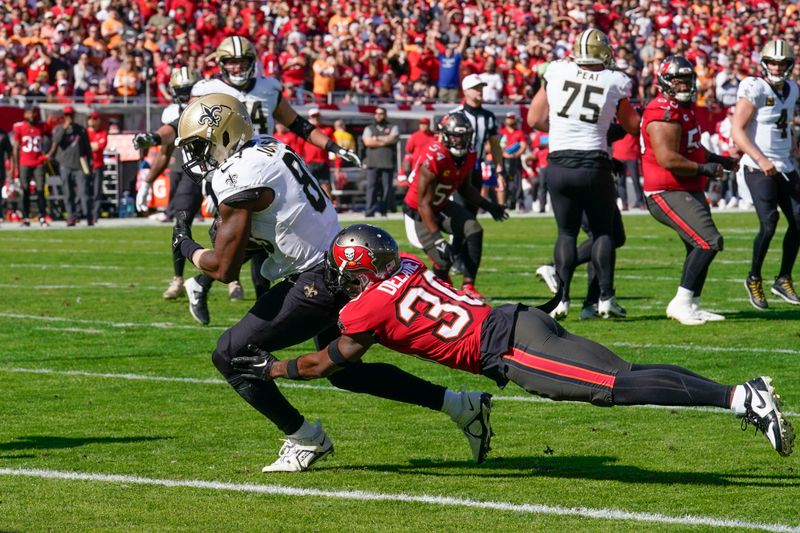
450,176
414,313
416,144
315,154
101,138
656,177
28,138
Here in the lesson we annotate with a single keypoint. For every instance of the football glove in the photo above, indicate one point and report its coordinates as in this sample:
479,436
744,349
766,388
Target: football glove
143,141
256,365
141,197
497,211
349,156
712,170
444,251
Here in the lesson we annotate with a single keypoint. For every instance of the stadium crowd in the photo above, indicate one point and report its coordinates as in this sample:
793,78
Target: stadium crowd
408,52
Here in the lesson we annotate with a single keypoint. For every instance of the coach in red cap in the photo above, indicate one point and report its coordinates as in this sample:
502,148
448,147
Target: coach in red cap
73,153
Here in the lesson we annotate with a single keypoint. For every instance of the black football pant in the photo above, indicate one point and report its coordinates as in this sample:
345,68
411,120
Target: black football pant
35,174
573,192
547,360
689,215
290,313
585,254
770,194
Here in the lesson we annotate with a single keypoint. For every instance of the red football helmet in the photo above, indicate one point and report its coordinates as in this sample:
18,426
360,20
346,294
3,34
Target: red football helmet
359,256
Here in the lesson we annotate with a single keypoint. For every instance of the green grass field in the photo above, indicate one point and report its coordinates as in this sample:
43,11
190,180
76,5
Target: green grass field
114,418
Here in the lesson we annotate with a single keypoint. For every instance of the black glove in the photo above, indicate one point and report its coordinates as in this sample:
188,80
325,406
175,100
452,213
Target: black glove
712,170
256,365
445,252
728,163
497,211
181,230
143,141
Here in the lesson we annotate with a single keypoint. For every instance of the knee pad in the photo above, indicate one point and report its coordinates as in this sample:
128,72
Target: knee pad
472,227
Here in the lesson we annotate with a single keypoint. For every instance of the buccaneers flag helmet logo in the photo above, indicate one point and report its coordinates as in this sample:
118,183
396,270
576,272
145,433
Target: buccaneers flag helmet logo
354,258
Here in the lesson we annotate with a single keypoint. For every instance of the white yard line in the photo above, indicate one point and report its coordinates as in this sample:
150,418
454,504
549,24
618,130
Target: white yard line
442,501
158,325
284,384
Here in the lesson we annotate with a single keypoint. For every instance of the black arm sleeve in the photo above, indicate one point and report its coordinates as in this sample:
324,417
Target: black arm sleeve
615,133
243,197
301,127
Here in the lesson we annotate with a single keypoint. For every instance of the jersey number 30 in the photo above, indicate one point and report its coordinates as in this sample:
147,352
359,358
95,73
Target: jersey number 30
452,318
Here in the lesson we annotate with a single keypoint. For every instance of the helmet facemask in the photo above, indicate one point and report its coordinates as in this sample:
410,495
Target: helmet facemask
457,144
784,74
358,257
199,161
248,67
672,70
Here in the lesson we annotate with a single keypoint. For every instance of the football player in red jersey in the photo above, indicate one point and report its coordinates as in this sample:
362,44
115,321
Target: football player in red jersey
29,159
397,302
441,170
676,169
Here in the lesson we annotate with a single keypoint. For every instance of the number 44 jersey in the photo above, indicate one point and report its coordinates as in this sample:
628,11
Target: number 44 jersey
299,225
582,104
414,313
770,127
260,100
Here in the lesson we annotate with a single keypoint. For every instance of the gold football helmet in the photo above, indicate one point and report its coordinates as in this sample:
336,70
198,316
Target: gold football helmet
777,51
237,49
592,47
210,129
181,82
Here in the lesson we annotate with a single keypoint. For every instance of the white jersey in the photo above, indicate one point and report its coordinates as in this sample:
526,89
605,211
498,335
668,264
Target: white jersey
770,127
300,224
582,104
261,100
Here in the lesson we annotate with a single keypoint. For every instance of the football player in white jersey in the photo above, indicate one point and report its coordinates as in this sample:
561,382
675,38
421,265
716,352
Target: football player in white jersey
761,128
577,102
268,196
236,57
185,193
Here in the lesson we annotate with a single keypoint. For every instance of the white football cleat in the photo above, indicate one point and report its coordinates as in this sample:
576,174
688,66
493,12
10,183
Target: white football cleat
235,291
610,308
175,289
762,407
561,311
297,455
474,422
684,313
547,273
708,316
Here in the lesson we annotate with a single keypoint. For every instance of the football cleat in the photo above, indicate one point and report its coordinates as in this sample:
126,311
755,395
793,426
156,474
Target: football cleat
610,308
474,422
26,223
684,313
297,455
43,222
755,290
708,316
561,311
470,290
547,273
762,409
198,301
784,287
589,312
175,289
235,291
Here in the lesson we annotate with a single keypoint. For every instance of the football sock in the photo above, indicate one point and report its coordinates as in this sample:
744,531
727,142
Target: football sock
204,280
389,382
684,295
452,404
737,400
306,431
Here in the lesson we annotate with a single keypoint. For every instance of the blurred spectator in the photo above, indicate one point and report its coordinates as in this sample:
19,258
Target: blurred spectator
98,139
380,138
493,82
127,80
514,144
450,68
73,153
111,65
317,158
5,155
416,143
288,138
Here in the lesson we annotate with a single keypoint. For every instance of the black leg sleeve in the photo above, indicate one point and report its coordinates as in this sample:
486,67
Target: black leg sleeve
389,382
663,386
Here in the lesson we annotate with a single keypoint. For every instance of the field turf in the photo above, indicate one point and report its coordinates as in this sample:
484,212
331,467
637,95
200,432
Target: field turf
114,418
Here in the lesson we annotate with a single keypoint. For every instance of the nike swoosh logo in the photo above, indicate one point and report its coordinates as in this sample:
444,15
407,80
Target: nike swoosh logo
469,401
260,365
760,399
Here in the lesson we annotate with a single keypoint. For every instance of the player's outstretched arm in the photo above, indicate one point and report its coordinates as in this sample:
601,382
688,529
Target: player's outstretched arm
340,353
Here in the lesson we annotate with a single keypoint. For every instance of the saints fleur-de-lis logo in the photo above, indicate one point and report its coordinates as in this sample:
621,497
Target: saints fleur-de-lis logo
210,115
